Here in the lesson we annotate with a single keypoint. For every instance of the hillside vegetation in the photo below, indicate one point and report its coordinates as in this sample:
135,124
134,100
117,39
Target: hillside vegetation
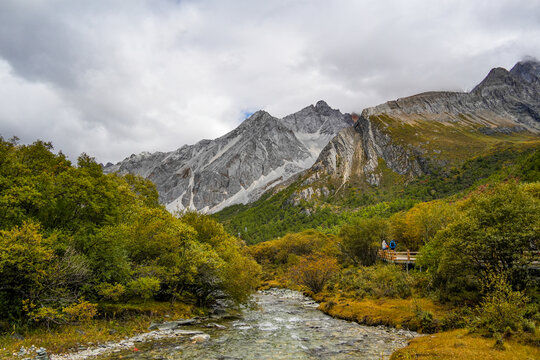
476,255
76,244
275,214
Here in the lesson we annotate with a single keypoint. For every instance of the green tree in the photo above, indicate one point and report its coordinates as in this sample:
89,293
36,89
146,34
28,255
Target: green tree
25,268
493,232
361,239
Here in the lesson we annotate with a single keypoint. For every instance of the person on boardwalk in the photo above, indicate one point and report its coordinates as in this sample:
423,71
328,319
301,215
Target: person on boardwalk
393,245
384,245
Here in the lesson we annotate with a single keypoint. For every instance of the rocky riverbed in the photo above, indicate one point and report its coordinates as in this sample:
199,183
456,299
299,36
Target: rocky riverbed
283,324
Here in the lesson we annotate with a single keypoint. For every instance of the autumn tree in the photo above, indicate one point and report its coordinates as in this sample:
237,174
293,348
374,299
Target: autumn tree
417,226
494,230
314,271
361,239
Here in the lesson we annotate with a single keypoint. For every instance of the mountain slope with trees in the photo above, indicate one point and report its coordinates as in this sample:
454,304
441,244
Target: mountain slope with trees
75,243
426,146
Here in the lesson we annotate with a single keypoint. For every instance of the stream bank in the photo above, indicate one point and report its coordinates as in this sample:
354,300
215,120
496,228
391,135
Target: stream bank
282,324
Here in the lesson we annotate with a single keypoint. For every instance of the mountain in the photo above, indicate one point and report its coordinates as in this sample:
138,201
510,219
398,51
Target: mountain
239,166
412,135
418,148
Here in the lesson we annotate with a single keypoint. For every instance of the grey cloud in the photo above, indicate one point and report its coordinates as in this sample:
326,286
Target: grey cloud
118,77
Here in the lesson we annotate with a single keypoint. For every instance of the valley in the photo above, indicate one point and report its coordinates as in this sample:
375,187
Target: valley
249,229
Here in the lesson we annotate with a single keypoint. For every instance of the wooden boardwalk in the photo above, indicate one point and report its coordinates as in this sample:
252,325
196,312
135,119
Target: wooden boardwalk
398,257
409,257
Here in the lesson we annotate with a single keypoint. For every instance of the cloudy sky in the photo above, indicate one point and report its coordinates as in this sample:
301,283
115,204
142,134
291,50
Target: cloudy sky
116,77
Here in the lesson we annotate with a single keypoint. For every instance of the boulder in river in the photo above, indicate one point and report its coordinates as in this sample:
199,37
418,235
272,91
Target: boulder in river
169,325
217,326
42,354
200,338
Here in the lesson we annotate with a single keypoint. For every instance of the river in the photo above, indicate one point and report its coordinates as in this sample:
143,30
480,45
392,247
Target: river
283,325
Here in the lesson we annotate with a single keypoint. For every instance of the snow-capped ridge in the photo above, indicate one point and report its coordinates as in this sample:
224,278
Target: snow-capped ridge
240,165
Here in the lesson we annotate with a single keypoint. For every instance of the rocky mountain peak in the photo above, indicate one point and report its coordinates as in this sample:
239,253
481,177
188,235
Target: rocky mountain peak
496,77
408,134
322,107
239,166
527,70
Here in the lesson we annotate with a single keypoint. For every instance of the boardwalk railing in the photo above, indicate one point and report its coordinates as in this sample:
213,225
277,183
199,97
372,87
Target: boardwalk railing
398,257
409,257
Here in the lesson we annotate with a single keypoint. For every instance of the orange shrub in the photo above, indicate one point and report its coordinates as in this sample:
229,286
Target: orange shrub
314,272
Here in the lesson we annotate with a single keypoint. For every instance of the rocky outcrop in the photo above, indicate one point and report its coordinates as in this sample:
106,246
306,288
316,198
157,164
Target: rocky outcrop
503,99
265,151
505,102
239,166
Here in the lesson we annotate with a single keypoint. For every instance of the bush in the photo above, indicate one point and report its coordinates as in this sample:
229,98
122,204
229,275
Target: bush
501,308
314,272
377,281
423,321
81,310
144,287
110,291
457,319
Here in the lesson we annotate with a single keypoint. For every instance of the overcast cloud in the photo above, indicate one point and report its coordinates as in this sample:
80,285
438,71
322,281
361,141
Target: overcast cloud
113,77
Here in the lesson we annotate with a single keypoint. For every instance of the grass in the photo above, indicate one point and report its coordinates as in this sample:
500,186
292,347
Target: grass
460,344
398,313
117,322
447,141
456,157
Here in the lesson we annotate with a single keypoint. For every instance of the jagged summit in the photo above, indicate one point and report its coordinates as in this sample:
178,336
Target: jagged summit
496,77
528,70
504,98
410,135
239,166
322,107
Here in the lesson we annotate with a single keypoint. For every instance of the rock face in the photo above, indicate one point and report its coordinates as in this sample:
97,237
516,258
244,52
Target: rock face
503,99
239,166
505,102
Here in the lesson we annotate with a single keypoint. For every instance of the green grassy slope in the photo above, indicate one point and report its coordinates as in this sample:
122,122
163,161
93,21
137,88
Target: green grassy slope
273,215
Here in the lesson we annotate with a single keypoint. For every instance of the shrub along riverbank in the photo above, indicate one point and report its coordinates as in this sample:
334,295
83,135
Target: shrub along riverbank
81,247
477,288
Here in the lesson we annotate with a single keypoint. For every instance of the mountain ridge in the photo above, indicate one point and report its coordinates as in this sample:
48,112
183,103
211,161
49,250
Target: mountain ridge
319,145
240,165
411,135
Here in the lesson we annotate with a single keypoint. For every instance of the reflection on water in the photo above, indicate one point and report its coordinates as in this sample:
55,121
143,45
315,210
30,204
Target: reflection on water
284,325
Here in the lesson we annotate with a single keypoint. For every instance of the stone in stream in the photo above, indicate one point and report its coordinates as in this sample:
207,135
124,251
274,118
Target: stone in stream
22,351
217,326
200,338
171,324
188,332
42,354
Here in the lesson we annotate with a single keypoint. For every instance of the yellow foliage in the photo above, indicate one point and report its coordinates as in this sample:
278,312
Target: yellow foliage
314,272
81,310
417,226
279,251
458,344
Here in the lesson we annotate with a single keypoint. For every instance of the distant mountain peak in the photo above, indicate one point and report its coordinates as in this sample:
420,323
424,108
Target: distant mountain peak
497,76
240,165
528,70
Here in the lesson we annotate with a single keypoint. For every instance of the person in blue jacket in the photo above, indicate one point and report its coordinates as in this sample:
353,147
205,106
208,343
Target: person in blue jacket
393,245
